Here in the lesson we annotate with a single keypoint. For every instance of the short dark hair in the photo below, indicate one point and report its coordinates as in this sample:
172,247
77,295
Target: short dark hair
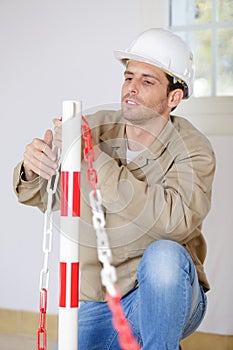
176,85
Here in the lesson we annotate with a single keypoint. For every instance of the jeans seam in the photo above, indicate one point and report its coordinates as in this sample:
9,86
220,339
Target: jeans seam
110,341
195,319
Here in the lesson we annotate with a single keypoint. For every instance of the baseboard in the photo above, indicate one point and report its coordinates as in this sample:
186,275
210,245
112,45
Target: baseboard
26,323
206,341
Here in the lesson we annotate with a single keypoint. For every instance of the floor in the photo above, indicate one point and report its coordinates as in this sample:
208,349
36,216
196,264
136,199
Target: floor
21,342
194,342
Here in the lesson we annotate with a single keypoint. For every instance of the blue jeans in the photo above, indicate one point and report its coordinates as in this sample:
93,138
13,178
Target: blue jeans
168,305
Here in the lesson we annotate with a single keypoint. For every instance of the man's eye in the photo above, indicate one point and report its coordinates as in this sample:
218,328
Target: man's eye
128,78
148,82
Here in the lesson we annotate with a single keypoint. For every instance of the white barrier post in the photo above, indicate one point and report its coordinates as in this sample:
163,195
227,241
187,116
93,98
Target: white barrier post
69,226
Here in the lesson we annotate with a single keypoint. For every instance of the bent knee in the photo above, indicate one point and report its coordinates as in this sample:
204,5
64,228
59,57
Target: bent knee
161,263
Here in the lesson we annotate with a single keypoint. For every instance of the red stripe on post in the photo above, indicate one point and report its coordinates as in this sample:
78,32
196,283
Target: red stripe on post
62,298
64,193
74,293
76,194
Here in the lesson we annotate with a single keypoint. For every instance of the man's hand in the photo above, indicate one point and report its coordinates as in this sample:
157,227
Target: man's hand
39,159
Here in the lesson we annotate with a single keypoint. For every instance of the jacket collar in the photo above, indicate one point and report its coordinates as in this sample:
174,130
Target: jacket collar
116,145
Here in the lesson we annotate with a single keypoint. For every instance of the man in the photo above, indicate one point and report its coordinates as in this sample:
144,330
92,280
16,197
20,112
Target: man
155,173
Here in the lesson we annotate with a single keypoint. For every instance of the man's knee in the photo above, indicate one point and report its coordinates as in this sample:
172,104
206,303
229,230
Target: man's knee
161,263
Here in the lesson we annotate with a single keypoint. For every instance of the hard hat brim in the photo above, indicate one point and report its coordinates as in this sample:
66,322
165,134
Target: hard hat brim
124,56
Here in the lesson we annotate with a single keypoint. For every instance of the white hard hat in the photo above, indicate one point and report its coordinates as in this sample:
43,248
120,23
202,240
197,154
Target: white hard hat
165,50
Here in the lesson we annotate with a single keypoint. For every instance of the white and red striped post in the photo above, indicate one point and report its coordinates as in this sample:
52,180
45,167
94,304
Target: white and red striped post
69,226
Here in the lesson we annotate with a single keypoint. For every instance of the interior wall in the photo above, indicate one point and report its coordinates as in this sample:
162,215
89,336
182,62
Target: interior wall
218,233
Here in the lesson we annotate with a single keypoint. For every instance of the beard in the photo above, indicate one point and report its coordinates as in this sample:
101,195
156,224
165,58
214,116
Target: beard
138,114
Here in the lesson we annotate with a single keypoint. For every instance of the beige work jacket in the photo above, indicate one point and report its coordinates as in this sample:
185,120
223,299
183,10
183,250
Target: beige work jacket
164,193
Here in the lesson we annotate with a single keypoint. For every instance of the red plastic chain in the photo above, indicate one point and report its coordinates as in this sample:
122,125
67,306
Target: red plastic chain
120,323
41,332
89,155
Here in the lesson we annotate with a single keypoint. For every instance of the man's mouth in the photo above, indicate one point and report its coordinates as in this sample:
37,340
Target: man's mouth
131,102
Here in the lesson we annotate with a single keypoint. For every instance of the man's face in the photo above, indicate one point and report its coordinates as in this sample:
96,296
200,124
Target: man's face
144,93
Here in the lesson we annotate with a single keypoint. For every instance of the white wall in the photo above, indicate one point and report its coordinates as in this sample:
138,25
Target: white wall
51,50
218,233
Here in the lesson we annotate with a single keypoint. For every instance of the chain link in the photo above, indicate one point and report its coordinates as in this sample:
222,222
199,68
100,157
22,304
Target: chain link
121,324
41,332
108,273
89,155
47,247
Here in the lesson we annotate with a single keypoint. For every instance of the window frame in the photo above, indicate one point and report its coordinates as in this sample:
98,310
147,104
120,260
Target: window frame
213,26
212,115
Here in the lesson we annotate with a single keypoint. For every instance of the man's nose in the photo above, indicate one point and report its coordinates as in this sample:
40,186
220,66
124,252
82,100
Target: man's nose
133,88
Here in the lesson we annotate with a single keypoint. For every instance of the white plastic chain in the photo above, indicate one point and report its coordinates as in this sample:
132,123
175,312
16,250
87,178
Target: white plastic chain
48,229
108,273
47,246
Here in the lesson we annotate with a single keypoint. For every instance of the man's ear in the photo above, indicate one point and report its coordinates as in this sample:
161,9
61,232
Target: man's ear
175,97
